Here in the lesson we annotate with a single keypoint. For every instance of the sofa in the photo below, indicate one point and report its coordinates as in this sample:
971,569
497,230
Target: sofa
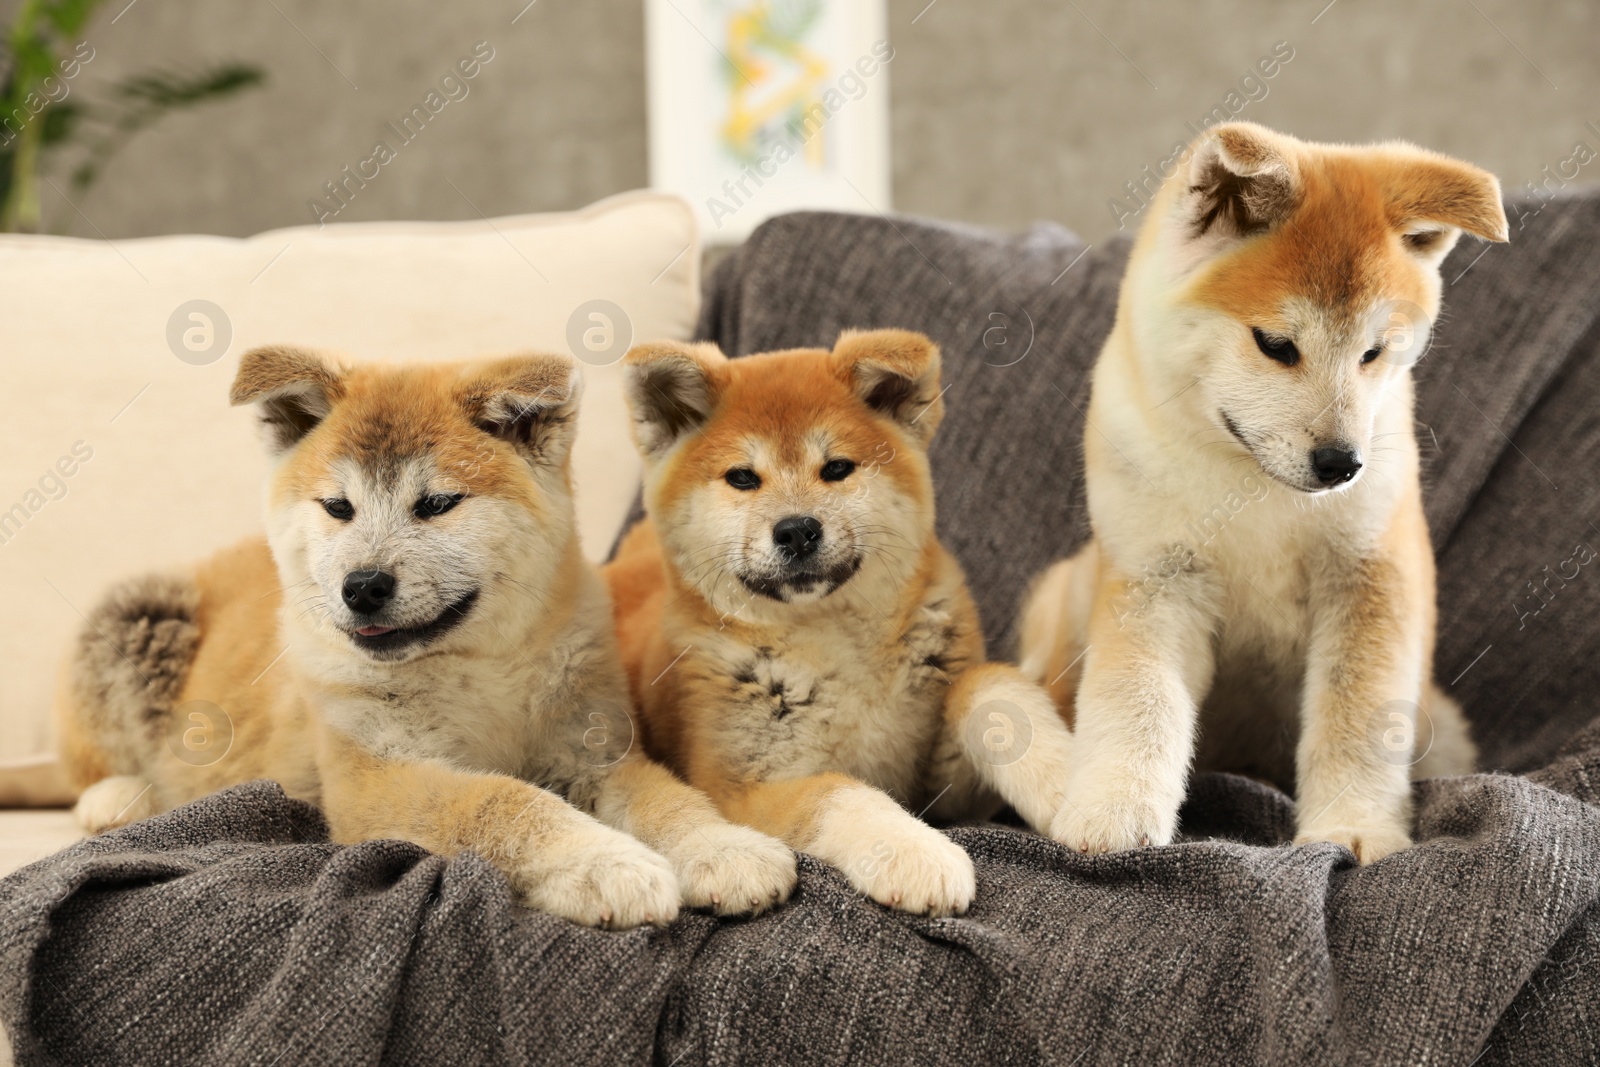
232,931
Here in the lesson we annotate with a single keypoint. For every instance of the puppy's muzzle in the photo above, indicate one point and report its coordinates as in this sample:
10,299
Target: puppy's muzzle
1335,464
797,538
368,591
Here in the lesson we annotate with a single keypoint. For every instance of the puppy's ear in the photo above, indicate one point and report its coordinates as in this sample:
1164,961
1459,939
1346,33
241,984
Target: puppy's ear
293,389
672,389
895,373
1241,181
1432,197
529,400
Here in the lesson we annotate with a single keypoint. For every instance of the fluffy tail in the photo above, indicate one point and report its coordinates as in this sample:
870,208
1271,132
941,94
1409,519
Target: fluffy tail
1011,739
1055,626
1443,739
123,677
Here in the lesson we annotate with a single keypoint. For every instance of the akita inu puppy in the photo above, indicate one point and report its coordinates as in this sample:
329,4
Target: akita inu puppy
1260,586
423,651
799,643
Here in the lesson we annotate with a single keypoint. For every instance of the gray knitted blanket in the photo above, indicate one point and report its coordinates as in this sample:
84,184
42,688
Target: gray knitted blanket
231,931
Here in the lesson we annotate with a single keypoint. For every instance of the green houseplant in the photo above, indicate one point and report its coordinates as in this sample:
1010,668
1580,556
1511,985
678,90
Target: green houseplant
42,109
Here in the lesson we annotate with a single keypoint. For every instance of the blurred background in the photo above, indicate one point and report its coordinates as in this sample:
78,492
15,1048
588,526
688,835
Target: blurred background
998,113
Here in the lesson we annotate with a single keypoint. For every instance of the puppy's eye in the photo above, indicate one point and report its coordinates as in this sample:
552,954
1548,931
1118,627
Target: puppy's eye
1371,354
339,508
837,470
1423,240
743,478
435,504
1279,348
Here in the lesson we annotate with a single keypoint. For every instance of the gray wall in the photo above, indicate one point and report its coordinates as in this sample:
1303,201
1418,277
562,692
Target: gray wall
1002,112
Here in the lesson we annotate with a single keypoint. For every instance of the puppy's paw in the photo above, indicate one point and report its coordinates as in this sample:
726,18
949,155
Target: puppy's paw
919,870
895,858
1093,825
113,802
733,869
1369,843
598,877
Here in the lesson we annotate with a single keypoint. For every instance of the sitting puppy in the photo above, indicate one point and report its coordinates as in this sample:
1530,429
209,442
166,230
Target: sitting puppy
1259,590
429,644
799,643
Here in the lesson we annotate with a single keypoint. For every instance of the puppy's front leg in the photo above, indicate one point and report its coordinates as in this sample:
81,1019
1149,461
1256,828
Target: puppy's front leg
1364,681
732,869
1147,665
557,858
884,851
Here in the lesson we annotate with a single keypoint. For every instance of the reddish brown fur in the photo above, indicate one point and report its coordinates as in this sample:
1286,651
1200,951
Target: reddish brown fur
870,715
1341,243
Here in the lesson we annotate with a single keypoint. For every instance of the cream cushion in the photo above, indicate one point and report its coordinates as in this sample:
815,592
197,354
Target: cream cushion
117,456
26,836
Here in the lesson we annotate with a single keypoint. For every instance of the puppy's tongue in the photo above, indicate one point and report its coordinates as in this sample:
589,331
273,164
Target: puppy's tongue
375,631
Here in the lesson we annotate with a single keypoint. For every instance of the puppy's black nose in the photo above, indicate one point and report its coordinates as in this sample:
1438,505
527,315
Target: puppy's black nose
1335,464
798,536
366,592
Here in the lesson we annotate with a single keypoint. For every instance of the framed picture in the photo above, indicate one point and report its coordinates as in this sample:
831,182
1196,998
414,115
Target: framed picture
758,107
